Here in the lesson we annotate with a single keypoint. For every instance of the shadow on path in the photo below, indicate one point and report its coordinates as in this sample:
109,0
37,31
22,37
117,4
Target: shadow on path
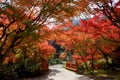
57,72
44,76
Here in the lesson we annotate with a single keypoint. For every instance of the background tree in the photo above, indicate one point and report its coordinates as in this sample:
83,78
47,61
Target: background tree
95,38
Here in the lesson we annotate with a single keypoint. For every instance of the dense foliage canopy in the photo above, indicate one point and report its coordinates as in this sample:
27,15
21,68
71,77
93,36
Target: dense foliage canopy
26,26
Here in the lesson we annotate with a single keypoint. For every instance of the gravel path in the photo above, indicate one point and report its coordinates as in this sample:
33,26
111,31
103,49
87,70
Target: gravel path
57,72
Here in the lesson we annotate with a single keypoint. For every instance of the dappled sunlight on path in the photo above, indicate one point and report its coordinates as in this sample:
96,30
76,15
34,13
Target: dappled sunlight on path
57,72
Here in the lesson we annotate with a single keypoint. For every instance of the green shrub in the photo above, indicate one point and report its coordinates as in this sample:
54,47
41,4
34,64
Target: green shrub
8,72
11,71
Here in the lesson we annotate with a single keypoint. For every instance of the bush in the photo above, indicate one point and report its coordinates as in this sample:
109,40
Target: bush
52,62
12,71
8,72
29,68
55,61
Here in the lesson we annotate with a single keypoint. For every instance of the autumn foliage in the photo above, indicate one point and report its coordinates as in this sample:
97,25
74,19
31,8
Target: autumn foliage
26,26
94,39
46,51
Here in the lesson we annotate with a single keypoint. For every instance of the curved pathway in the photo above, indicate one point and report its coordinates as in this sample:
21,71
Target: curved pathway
57,72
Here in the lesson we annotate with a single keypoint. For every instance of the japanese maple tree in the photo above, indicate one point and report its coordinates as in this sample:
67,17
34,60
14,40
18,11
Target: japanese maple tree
46,50
21,20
